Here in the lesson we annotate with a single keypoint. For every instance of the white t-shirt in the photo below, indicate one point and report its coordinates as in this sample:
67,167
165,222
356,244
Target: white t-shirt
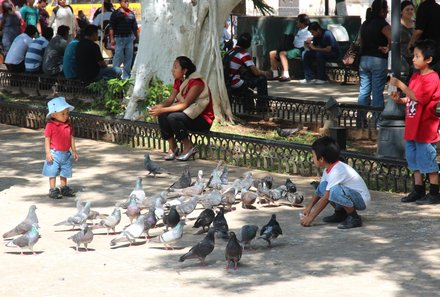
344,175
18,49
64,16
301,36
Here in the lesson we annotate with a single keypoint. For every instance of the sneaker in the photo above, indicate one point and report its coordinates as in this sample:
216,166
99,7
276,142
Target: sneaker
429,199
412,197
67,192
337,217
55,193
284,79
306,81
320,82
352,221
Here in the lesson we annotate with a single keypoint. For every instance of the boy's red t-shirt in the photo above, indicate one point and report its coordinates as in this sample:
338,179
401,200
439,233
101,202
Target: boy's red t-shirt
421,121
60,135
208,113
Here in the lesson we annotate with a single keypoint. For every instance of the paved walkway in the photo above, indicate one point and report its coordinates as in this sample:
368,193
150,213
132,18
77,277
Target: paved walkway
396,253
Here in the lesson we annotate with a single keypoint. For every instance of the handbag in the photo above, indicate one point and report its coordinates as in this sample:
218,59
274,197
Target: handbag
351,57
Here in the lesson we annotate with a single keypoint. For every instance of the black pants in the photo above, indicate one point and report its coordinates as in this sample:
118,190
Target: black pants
259,82
178,124
17,68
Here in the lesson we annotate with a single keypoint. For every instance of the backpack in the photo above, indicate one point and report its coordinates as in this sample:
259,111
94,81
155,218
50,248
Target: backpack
55,10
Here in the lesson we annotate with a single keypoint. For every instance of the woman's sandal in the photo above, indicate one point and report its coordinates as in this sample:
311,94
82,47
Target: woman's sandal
172,156
189,154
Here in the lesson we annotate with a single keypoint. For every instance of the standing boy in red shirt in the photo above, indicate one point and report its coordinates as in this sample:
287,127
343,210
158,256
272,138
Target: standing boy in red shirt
60,147
421,122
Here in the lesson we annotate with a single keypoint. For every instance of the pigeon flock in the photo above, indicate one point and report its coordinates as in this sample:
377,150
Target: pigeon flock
172,209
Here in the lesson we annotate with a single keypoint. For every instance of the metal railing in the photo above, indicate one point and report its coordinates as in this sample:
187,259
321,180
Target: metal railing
277,156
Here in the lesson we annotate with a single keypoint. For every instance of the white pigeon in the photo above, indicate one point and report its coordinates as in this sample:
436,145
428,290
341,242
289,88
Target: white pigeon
131,232
172,235
27,240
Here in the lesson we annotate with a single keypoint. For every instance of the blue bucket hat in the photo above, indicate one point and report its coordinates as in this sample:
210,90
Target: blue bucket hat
58,104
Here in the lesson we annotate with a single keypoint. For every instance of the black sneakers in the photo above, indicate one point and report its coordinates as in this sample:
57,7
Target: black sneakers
67,192
337,217
55,193
429,199
353,220
412,197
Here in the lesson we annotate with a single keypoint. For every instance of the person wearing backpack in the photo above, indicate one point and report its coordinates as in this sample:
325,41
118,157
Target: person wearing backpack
63,14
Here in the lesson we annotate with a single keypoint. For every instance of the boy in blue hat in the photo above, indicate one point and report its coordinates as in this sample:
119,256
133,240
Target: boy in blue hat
60,147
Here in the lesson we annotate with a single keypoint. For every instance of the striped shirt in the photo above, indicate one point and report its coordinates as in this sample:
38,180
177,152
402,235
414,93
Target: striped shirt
34,54
239,59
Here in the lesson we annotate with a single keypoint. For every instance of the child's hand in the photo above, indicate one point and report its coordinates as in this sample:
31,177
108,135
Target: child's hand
306,221
394,81
396,97
75,156
49,157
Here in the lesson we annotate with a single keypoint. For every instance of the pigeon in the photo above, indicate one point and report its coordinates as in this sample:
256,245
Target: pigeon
131,232
271,230
246,234
175,202
247,182
201,249
196,189
150,221
247,199
172,235
215,182
111,221
220,225
138,192
27,240
25,225
224,177
158,208
184,181
150,202
133,210
84,236
286,132
266,181
228,197
272,194
290,186
233,251
77,219
204,219
187,207
199,178
295,198
210,200
151,167
93,215
172,218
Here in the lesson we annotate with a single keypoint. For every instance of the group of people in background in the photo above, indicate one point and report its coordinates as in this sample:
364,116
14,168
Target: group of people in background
29,46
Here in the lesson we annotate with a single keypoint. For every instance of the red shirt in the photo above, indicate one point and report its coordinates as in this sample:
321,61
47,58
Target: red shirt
421,122
60,135
239,59
208,113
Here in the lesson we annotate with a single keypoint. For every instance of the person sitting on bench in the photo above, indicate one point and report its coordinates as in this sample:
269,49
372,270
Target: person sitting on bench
281,55
321,49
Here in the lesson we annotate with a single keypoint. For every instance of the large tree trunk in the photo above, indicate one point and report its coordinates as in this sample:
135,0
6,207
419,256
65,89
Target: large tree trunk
171,28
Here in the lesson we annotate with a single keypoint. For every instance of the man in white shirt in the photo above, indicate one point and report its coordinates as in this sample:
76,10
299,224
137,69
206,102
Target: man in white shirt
276,56
15,58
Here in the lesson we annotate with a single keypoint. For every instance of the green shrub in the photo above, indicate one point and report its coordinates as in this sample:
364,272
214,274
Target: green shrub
157,92
111,93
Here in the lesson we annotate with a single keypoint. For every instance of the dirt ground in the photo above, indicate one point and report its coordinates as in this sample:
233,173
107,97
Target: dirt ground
395,253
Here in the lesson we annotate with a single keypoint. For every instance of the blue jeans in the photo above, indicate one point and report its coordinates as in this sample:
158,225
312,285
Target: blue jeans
342,196
320,58
421,156
108,73
373,76
61,165
124,54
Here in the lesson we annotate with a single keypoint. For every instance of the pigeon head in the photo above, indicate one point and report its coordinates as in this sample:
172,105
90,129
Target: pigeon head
147,156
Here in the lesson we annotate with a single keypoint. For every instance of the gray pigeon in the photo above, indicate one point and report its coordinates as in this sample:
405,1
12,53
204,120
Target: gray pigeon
233,251
138,192
266,181
151,167
295,199
247,199
77,219
25,225
228,197
84,236
172,235
187,207
184,181
131,232
111,221
290,186
215,182
196,189
286,132
211,199
133,210
247,181
271,230
150,202
246,234
224,177
27,240
201,249
150,221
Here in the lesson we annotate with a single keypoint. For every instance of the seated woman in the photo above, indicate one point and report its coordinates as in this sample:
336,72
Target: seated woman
189,107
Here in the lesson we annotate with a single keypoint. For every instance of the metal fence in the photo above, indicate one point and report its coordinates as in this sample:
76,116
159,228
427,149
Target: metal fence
276,156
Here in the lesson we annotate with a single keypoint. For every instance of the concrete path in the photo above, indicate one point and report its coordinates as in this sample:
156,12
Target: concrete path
395,253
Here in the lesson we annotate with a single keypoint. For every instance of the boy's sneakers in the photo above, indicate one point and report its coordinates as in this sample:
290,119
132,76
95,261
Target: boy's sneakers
337,217
412,197
353,220
55,193
67,192
429,199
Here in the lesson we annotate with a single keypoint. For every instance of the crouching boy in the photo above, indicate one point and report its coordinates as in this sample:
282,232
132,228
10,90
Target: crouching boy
340,185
